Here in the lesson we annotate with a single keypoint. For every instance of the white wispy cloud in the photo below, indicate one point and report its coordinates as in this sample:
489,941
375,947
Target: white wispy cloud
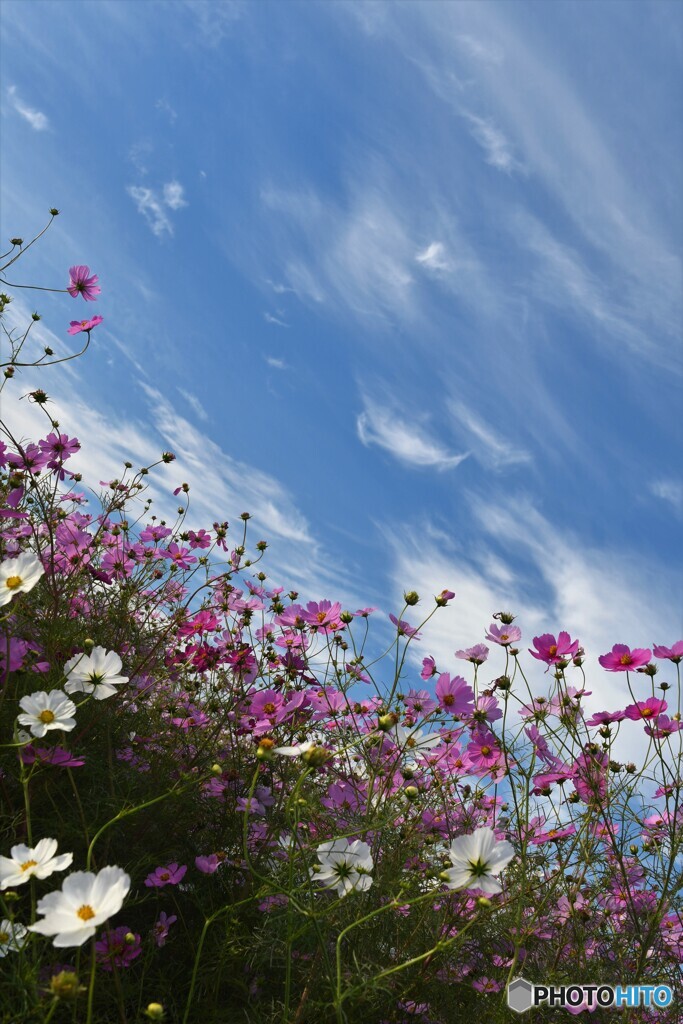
215,19
497,148
358,254
270,319
196,405
434,257
486,443
410,443
485,52
37,120
153,207
669,490
275,363
174,195
165,107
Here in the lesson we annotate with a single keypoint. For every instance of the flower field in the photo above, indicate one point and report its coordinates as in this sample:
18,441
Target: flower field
225,801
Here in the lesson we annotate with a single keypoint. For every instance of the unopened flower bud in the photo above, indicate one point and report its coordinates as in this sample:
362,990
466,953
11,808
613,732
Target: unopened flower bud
261,545
505,617
65,985
412,792
167,457
648,670
216,769
245,516
36,317
11,896
346,617
130,939
633,848
387,721
411,597
54,212
503,683
315,757
88,642
155,1011
16,241
483,902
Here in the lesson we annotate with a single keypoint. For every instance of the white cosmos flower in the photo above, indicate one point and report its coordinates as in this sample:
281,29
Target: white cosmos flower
25,862
85,901
296,751
345,866
19,575
12,937
46,711
414,740
97,673
477,859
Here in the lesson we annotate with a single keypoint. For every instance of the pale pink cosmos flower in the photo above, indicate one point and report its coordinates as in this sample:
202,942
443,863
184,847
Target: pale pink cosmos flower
503,634
81,282
673,653
84,325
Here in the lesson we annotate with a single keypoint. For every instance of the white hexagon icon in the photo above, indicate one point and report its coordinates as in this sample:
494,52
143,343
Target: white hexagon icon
520,995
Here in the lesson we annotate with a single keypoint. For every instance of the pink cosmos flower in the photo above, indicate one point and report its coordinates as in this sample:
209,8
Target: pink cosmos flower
323,616
428,668
84,325
487,985
605,718
551,650
118,948
663,727
477,654
650,708
170,875
82,283
419,703
455,695
622,659
404,628
503,634
161,928
207,865
56,756
673,653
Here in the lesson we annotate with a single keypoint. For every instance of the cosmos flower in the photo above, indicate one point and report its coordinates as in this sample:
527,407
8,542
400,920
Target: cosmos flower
477,859
97,673
25,862
169,875
12,937
81,282
86,900
344,865
19,575
45,711
622,659
76,326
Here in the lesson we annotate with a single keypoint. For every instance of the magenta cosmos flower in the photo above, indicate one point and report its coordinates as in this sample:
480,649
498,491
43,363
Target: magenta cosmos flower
84,325
622,659
673,653
650,708
118,947
169,875
551,650
81,282
477,654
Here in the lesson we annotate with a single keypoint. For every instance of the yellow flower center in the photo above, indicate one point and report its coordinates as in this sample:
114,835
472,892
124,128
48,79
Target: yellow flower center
625,659
47,716
85,912
448,699
84,323
321,616
269,708
504,636
12,582
646,712
28,864
4,937
485,751
552,650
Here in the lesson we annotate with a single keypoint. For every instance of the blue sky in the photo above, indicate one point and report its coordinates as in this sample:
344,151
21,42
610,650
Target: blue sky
403,280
